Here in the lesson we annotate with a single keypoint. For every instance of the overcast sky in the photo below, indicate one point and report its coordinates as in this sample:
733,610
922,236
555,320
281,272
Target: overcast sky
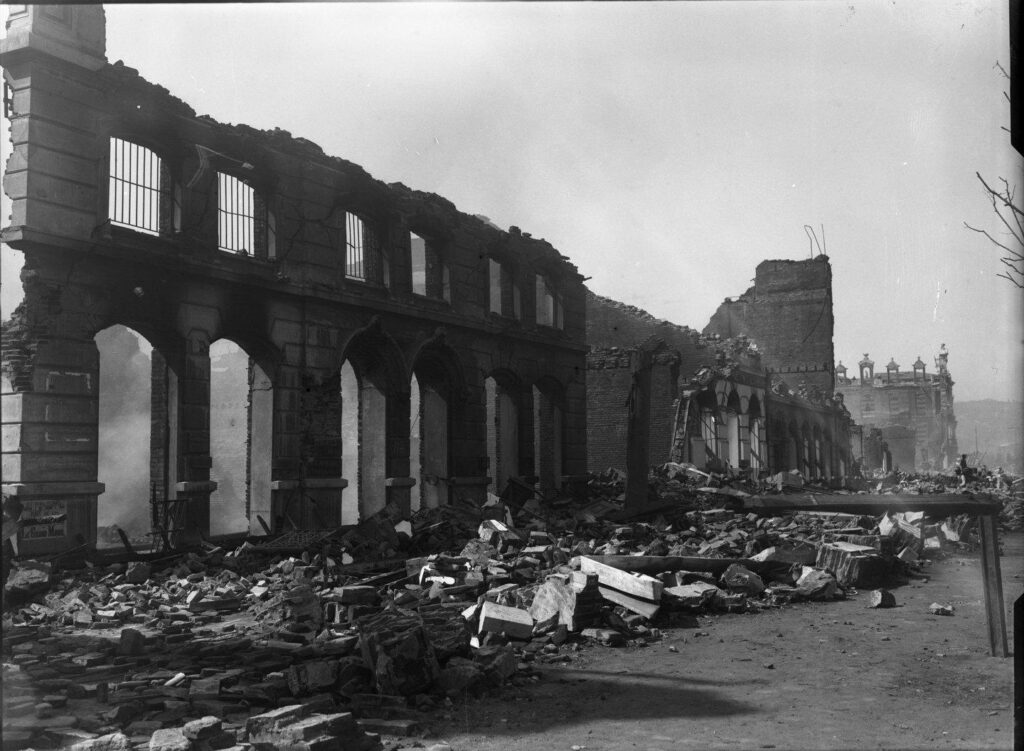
666,148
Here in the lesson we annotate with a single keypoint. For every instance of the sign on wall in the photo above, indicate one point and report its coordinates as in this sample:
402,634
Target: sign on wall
44,511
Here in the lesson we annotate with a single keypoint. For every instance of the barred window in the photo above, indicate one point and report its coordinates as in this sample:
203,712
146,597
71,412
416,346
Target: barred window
139,192
236,215
358,245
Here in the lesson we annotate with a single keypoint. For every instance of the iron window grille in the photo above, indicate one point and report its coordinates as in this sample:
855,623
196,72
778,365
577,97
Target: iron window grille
139,193
358,241
236,215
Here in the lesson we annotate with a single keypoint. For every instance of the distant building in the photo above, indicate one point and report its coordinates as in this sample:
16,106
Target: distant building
907,415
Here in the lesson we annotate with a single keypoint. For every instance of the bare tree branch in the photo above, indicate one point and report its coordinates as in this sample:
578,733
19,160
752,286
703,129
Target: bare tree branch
1012,218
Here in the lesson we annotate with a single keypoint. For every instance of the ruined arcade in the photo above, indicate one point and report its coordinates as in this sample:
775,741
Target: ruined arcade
396,351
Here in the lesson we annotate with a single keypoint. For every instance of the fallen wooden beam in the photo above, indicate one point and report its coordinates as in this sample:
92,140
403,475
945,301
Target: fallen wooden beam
656,564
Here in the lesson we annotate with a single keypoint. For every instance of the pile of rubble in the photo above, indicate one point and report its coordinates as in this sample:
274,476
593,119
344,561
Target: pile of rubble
267,646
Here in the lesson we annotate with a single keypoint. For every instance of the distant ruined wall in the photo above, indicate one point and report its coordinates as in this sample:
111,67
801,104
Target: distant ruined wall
788,315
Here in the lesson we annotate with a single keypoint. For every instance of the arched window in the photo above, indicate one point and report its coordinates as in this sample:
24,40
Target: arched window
245,225
140,192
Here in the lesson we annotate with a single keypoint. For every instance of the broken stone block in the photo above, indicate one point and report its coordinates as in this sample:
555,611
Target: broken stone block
203,728
169,739
319,675
111,742
28,578
939,609
853,565
263,724
606,636
138,572
815,584
575,608
459,675
742,580
693,595
516,623
882,598
396,648
132,642
498,662
204,688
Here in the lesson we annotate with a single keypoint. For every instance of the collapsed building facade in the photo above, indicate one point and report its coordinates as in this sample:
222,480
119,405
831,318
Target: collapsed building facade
907,416
753,391
386,350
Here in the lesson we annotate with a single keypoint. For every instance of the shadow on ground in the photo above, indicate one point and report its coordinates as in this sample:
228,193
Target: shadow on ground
566,697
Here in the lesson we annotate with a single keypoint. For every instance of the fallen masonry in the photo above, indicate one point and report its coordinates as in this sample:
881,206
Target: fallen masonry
272,646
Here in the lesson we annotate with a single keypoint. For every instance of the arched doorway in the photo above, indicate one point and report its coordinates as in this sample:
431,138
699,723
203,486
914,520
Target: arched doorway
757,437
241,440
373,398
548,436
350,443
125,414
435,381
501,394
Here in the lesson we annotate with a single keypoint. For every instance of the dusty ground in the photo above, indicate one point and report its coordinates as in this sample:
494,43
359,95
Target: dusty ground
832,675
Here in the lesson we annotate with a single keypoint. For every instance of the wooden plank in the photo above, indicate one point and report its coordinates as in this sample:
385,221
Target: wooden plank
636,585
993,582
655,564
937,504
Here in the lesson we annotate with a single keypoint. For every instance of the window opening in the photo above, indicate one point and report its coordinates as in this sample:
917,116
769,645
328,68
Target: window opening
137,190
418,258
357,241
549,311
494,277
236,215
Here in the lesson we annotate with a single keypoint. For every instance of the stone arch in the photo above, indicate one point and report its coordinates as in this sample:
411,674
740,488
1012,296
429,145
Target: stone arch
736,448
375,417
548,433
503,395
436,405
241,438
128,456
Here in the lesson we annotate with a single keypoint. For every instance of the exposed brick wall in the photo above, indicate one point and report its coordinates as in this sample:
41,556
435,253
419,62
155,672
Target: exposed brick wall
609,378
664,390
788,314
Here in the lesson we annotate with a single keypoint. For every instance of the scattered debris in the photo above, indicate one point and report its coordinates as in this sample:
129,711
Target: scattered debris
361,631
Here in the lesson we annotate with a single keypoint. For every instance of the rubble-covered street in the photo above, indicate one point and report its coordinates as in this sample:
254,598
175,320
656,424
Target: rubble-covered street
537,625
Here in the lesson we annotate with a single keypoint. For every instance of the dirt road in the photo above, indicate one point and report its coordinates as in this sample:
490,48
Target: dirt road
834,675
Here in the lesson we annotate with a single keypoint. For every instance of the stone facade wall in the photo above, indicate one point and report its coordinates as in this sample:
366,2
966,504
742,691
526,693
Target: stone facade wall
921,402
289,301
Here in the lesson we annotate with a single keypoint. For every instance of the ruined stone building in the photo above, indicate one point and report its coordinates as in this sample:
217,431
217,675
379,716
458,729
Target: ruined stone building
788,312
747,393
315,345
907,416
